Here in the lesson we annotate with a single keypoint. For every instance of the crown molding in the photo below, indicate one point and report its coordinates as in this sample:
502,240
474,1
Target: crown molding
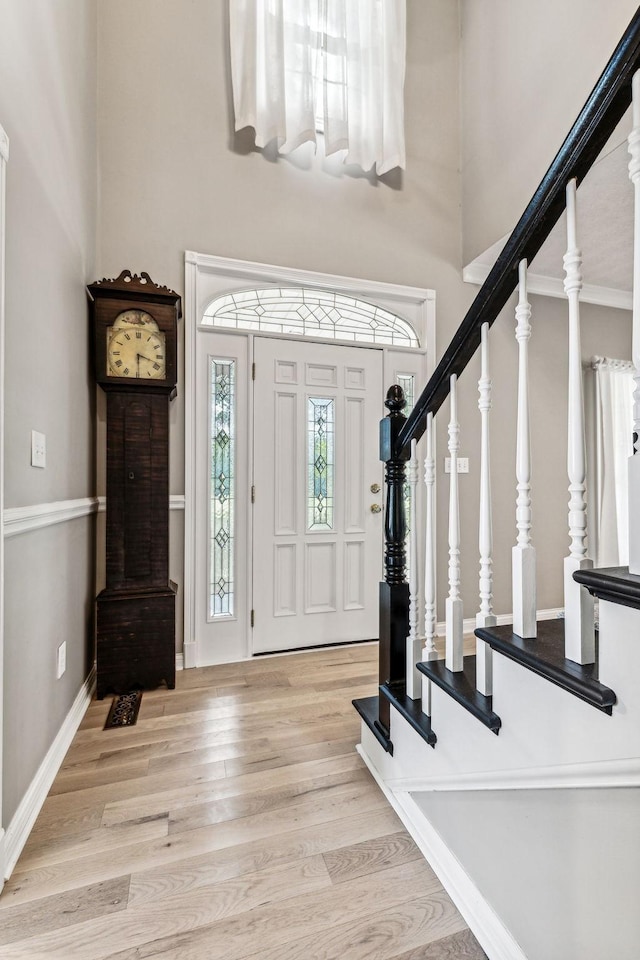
544,286
248,270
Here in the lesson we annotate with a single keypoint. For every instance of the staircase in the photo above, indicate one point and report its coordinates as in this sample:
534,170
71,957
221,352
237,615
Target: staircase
542,724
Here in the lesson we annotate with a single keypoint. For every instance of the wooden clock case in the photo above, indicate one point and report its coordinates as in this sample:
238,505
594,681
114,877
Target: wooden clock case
135,615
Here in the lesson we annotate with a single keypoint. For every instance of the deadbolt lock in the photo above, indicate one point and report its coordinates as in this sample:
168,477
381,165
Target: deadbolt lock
375,488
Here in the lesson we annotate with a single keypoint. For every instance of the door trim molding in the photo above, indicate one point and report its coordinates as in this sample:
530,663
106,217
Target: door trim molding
4,157
208,276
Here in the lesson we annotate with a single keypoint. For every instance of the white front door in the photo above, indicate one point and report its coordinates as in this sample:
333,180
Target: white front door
317,542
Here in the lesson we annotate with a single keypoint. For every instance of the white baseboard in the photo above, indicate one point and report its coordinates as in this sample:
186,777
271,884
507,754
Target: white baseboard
469,623
598,774
179,661
485,924
25,816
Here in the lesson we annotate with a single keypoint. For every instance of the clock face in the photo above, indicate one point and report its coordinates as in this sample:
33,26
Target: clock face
136,347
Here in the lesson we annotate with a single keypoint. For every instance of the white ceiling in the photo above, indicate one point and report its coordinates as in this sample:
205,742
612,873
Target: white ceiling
605,234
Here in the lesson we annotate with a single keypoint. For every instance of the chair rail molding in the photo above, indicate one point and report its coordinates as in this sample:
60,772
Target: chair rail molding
18,520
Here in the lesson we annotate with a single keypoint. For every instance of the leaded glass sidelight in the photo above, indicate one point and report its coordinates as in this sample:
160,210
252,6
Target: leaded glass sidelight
298,311
222,505
320,462
407,382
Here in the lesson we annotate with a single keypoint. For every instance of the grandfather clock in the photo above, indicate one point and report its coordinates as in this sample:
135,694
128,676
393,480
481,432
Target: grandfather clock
134,325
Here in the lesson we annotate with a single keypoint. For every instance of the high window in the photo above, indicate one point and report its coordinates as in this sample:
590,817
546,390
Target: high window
335,65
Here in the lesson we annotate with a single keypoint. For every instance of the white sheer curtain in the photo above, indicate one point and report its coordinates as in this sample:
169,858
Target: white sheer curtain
293,61
614,445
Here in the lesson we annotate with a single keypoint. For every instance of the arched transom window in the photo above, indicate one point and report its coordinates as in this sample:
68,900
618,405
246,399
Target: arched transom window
310,313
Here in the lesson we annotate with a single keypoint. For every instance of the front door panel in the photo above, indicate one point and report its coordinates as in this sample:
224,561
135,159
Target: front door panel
317,543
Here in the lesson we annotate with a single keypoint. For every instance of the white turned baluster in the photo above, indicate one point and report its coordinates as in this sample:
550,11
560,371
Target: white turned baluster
485,616
578,603
634,461
523,559
429,651
414,687
453,606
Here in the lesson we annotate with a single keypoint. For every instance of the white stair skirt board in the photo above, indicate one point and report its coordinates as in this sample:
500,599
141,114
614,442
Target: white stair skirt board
487,927
25,816
571,776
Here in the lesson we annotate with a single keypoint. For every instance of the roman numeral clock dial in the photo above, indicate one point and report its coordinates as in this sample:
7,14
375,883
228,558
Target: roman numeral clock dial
135,323
136,347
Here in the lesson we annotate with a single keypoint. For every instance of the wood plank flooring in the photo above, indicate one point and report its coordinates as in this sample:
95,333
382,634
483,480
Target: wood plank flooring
234,821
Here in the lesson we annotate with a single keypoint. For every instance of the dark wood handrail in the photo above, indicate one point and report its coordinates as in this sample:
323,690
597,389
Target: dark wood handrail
596,122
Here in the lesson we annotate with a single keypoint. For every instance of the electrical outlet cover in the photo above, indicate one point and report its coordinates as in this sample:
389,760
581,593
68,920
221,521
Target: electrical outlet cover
38,449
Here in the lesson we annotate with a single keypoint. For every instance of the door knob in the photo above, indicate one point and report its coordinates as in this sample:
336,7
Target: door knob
375,488
375,508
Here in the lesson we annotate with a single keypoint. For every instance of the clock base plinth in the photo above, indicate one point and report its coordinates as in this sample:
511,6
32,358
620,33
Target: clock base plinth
135,640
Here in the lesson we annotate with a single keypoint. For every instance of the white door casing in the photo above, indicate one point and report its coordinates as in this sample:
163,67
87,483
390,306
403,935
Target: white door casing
317,552
206,278
4,156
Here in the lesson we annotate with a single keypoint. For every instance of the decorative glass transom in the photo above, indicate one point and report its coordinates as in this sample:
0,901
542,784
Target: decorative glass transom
222,459
320,463
310,313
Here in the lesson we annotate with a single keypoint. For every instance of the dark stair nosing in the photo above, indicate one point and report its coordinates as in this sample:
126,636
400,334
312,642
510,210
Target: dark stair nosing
462,687
411,710
368,709
544,655
612,583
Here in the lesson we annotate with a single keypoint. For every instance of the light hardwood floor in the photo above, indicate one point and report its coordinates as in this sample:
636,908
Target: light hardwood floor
235,820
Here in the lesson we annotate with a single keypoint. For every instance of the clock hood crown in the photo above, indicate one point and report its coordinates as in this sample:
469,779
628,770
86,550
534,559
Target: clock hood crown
130,283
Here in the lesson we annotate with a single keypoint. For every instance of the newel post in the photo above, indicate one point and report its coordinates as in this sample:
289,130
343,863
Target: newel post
394,591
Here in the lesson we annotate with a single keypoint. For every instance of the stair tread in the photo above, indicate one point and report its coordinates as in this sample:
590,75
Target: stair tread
544,655
368,708
411,710
462,687
612,583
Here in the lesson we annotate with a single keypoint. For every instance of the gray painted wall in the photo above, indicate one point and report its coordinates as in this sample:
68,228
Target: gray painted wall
527,71
572,857
173,176
47,106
